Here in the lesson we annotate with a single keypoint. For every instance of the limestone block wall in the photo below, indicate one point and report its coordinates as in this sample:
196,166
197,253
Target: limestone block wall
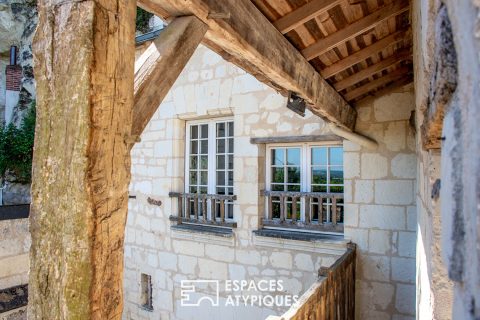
210,87
14,247
381,212
379,191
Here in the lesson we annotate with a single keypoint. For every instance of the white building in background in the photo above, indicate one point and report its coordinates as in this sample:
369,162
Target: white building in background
221,132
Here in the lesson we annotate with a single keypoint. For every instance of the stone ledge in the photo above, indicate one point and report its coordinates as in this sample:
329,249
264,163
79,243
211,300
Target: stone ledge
203,234
13,298
304,241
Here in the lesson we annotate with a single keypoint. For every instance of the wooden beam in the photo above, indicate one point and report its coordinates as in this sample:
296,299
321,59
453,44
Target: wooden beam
84,63
363,54
355,29
373,69
303,14
357,92
159,66
248,36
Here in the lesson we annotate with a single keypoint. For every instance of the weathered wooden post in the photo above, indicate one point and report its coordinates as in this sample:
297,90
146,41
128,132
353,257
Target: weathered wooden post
84,68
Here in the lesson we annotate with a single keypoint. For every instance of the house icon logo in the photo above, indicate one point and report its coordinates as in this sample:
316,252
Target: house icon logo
191,297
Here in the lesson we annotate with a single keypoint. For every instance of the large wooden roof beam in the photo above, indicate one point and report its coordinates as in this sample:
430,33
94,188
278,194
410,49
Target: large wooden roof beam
363,54
355,29
303,14
241,30
373,69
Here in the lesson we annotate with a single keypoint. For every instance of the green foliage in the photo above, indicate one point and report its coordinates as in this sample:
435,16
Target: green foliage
142,20
16,149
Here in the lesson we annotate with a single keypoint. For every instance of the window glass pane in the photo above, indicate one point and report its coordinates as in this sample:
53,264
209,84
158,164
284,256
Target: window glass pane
204,178
336,175
230,145
230,162
336,156
293,187
293,156
203,190
193,147
230,191
275,210
278,156
220,178
220,190
194,132
293,175
204,162
220,145
230,178
221,129
204,131
230,129
193,177
278,175
278,187
319,188
319,156
193,162
193,189
220,162
336,189
319,175
204,146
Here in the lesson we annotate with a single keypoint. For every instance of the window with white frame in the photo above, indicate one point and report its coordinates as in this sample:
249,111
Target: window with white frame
306,168
209,162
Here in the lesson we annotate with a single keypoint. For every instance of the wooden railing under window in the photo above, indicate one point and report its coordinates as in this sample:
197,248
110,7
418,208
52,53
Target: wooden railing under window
205,209
305,210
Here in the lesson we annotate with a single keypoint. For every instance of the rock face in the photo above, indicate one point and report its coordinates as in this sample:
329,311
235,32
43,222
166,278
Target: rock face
18,20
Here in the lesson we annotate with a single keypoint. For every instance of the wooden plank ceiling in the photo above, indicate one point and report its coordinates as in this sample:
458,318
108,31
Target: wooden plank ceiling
361,47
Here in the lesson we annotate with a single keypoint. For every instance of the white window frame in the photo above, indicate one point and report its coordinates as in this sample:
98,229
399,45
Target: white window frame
212,158
305,167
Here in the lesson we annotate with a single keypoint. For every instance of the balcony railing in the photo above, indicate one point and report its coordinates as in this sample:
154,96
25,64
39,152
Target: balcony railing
204,209
321,211
332,297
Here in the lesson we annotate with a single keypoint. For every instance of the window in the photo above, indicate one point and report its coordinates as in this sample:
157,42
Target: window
146,293
306,168
209,166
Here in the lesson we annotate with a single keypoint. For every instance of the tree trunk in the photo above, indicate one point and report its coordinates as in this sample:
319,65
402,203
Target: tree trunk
84,66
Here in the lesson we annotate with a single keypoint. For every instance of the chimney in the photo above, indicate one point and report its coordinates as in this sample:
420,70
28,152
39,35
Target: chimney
13,77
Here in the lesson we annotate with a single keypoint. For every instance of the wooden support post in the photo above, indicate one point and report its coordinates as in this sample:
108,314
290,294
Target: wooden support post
84,64
160,65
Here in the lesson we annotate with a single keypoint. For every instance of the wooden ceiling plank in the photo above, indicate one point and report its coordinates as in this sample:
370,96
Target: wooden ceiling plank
249,36
373,69
363,54
399,83
355,29
357,92
304,13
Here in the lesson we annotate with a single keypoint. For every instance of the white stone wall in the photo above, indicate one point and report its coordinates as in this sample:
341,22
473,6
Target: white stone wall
381,212
209,87
380,215
14,246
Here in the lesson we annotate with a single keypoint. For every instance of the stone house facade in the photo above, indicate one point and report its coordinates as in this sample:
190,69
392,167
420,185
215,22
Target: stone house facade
379,187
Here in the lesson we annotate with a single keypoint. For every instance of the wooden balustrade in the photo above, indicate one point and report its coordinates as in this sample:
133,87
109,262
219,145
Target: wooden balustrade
198,208
332,297
325,217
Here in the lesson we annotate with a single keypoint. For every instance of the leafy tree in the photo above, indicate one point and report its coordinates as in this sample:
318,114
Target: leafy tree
143,17
16,149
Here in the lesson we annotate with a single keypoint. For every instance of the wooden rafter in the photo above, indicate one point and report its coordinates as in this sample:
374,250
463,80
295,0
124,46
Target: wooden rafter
354,29
248,35
159,66
373,69
363,54
395,75
304,13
